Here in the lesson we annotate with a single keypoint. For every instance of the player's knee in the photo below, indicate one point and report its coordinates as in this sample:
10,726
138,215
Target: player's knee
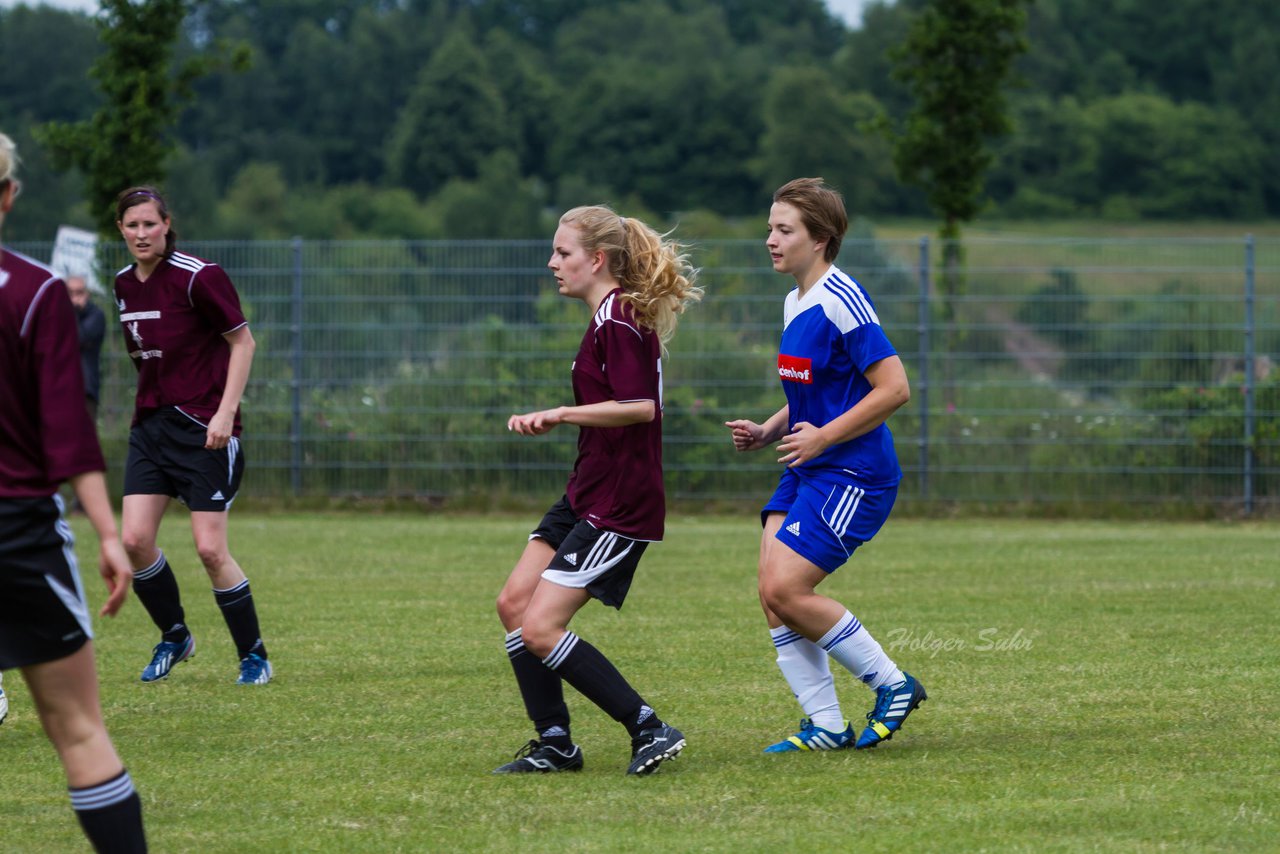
540,639
141,549
213,556
776,595
510,609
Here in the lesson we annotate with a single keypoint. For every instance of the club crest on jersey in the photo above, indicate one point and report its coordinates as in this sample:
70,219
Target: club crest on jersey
794,369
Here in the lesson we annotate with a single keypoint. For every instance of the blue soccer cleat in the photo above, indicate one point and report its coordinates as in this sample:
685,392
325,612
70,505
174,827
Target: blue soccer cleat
254,670
165,656
812,737
893,704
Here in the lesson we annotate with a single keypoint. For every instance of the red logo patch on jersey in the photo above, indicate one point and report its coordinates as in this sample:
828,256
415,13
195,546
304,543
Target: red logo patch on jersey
793,369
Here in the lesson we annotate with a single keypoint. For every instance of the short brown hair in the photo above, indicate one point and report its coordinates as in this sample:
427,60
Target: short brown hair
821,210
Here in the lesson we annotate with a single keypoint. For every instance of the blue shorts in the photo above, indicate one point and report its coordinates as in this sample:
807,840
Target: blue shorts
827,517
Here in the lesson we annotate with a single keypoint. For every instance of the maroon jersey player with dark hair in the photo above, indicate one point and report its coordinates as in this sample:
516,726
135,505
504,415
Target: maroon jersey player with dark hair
589,543
46,437
189,340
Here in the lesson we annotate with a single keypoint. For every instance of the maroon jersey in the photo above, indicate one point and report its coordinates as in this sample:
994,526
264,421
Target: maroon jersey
617,479
173,325
46,436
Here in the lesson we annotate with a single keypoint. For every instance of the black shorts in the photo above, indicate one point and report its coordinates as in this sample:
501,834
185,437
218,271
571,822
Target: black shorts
43,613
167,456
601,562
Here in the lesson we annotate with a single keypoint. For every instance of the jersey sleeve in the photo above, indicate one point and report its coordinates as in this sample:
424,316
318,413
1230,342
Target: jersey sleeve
867,344
68,436
631,364
215,297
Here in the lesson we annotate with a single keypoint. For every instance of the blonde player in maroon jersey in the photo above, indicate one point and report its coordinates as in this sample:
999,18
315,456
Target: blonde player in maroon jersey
587,546
46,438
190,343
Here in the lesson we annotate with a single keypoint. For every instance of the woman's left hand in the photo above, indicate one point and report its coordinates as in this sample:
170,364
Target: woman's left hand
803,443
219,432
534,423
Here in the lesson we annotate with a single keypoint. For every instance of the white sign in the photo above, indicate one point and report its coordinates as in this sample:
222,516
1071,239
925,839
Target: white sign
75,253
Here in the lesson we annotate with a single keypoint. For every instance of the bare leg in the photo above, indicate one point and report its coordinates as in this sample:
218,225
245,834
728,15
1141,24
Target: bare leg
209,530
523,580
140,523
66,697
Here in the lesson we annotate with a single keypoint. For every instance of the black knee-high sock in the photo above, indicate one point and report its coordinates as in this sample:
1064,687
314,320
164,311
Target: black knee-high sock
542,692
111,815
157,590
237,608
586,669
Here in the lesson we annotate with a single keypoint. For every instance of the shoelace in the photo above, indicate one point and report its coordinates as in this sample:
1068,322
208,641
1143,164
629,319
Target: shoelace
527,750
884,698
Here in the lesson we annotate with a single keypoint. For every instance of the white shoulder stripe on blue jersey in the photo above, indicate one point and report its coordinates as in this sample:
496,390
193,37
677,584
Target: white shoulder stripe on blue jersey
852,295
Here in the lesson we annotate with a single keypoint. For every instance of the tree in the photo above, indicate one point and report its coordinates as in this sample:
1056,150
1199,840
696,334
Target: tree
813,128
455,117
129,138
1174,160
650,120
955,61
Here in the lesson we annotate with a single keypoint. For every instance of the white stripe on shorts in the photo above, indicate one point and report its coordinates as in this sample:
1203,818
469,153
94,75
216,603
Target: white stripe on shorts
599,560
74,600
845,509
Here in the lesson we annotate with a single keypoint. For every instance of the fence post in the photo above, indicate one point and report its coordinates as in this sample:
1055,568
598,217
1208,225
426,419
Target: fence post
295,385
1250,324
922,327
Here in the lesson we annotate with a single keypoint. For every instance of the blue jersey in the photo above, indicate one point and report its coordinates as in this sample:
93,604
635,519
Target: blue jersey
829,339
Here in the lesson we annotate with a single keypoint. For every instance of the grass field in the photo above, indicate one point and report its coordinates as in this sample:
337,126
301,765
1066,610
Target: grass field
1093,687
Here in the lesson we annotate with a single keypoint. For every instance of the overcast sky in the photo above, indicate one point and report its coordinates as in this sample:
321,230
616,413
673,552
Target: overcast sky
849,10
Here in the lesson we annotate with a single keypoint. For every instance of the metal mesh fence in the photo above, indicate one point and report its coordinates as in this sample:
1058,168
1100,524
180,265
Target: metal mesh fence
1092,376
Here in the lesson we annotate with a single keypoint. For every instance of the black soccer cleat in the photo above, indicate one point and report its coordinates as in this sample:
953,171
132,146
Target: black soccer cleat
655,747
538,757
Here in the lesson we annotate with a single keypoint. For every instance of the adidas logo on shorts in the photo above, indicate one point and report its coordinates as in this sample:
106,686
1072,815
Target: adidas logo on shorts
217,496
571,559
794,529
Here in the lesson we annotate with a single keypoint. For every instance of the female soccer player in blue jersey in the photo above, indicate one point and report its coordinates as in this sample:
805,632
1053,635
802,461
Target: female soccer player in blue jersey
842,380
187,337
47,437
589,543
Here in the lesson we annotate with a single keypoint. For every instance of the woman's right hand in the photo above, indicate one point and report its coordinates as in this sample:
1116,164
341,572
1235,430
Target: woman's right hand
117,572
747,435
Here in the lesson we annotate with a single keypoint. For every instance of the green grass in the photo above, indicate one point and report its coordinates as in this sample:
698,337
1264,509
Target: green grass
1093,687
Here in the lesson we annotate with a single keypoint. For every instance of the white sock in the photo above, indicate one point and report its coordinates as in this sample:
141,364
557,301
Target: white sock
859,653
804,665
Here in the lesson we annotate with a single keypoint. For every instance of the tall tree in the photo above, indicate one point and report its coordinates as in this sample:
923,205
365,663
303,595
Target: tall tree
955,61
129,137
814,128
455,117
